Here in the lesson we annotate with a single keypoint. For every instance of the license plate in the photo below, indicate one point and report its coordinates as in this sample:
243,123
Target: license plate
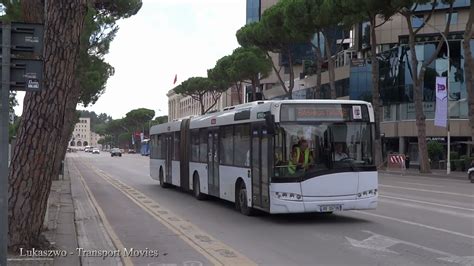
330,208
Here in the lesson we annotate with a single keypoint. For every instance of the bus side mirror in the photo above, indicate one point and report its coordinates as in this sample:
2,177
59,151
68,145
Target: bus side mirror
270,123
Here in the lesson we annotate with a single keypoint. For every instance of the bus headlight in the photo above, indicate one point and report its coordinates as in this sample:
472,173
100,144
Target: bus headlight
367,193
288,196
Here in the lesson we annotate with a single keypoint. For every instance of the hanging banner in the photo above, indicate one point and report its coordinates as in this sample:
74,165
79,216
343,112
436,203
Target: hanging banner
441,113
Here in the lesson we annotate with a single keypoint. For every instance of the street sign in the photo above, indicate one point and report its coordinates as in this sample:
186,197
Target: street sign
26,40
26,64
26,75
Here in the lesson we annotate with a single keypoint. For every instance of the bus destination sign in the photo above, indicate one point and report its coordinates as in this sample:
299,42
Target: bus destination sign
323,112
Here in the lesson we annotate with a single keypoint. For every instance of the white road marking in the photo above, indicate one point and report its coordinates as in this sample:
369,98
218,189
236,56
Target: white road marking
411,177
419,184
382,243
416,224
426,202
426,190
374,242
429,208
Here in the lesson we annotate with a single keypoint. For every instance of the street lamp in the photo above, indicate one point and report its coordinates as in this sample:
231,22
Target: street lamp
448,163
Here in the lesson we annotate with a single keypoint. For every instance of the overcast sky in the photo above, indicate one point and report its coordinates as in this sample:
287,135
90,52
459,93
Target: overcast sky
166,37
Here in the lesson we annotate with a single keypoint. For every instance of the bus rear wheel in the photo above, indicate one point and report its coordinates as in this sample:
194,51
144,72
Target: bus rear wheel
162,180
197,188
242,201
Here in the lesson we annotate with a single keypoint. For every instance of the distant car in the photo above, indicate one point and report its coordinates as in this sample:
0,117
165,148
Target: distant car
86,149
95,151
131,151
122,150
115,152
470,173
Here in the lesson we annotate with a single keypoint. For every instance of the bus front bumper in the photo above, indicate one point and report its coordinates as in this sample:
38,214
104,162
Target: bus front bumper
308,204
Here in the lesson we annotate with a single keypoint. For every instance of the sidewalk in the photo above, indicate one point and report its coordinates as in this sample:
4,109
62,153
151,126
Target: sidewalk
435,173
60,227
72,223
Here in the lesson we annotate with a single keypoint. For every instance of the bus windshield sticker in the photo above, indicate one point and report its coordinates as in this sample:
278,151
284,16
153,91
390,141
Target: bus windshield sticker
356,112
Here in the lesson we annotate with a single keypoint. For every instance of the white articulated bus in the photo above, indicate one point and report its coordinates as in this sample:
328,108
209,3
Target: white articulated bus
286,156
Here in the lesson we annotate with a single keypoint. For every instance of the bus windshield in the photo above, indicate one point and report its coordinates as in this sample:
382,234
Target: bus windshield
304,148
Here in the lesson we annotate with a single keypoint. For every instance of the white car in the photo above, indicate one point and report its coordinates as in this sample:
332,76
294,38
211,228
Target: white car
470,174
96,151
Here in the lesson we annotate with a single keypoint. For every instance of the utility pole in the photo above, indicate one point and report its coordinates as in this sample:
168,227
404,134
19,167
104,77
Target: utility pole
4,122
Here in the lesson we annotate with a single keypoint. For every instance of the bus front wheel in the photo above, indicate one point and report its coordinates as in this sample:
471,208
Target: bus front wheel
242,201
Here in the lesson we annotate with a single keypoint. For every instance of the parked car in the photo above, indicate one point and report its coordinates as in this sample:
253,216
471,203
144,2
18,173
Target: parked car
95,151
131,151
470,173
115,152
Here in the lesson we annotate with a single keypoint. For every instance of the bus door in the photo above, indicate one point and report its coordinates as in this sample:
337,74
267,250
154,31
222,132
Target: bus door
213,161
168,158
260,166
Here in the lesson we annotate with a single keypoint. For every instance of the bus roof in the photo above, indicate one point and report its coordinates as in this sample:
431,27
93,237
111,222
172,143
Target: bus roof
248,111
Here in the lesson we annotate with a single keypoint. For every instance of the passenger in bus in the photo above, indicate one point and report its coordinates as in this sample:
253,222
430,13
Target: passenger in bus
339,153
301,157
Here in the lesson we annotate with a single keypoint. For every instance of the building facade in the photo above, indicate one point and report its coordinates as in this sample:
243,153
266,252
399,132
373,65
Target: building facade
95,140
353,77
180,106
83,136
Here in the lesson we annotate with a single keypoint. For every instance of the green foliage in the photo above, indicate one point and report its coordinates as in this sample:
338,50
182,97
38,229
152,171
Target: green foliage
272,32
97,121
197,87
244,64
11,10
435,150
12,101
124,139
99,31
248,63
136,119
13,128
159,120
454,155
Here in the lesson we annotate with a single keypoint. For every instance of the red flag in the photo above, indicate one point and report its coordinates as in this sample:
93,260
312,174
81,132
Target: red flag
175,78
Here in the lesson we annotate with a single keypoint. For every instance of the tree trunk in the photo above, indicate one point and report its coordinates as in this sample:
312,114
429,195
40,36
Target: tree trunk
202,104
331,71
277,72
238,90
418,100
33,162
292,75
469,67
253,96
319,63
378,156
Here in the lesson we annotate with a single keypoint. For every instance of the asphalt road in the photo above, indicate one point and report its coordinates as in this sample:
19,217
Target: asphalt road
419,221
